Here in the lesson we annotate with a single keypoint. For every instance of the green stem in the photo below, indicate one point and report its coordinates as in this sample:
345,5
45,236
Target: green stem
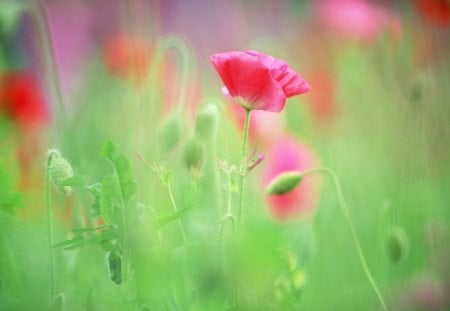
50,229
343,205
125,250
169,188
242,168
228,216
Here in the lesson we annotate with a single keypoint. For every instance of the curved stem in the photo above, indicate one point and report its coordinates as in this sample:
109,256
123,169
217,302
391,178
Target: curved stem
183,59
50,229
241,169
343,205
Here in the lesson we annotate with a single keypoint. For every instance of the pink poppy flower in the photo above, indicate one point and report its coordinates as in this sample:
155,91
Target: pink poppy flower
258,81
286,155
357,19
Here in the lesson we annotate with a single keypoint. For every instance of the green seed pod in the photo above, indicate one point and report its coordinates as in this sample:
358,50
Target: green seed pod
169,134
194,153
284,183
397,245
114,265
206,122
59,169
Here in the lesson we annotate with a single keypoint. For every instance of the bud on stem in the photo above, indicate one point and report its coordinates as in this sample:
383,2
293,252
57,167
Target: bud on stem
59,169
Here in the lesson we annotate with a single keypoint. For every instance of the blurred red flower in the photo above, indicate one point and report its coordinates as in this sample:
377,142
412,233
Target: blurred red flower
258,81
285,155
127,56
434,11
22,101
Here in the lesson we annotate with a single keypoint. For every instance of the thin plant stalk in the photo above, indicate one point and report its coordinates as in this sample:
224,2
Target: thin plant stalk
50,229
344,208
228,216
169,189
48,54
242,167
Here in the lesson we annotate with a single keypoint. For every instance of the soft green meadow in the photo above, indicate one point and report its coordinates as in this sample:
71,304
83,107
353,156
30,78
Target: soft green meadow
129,196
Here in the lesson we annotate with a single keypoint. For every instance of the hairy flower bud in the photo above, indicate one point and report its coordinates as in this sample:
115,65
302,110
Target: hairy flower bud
169,134
284,183
206,122
59,169
194,153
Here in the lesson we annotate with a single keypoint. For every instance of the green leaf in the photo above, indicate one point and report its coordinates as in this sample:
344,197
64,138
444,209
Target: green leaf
114,267
168,218
74,181
79,241
110,200
123,169
95,190
89,229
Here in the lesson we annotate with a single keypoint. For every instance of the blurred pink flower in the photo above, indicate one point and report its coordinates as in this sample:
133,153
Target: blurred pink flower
258,81
357,19
285,155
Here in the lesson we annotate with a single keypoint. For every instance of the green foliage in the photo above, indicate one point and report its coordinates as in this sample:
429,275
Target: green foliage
114,264
122,167
9,199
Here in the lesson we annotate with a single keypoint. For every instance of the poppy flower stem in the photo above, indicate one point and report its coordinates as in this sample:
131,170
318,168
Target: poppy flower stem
344,208
242,169
48,53
50,228
172,200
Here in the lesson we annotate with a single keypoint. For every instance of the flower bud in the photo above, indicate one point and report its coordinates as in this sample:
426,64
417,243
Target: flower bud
59,169
397,245
194,153
205,124
169,134
284,183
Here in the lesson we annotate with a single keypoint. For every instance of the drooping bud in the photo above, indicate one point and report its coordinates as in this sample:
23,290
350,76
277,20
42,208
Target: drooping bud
59,169
284,183
169,134
194,153
206,122
397,245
